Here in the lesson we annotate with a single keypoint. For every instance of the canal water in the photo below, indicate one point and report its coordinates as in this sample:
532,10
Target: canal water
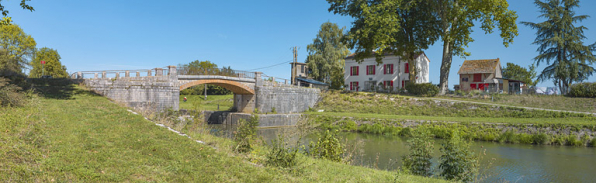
499,163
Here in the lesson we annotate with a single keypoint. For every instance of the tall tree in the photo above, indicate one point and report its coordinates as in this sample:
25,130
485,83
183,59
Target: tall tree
23,5
513,71
53,66
326,55
457,18
20,46
561,44
398,27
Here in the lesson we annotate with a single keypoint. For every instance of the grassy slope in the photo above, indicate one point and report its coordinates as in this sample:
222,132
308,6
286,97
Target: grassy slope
225,102
86,138
398,107
539,101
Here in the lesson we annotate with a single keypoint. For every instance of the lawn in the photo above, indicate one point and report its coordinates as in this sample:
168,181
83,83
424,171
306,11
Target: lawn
82,137
225,102
556,102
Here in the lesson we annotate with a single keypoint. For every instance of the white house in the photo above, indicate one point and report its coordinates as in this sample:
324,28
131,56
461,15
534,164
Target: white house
391,75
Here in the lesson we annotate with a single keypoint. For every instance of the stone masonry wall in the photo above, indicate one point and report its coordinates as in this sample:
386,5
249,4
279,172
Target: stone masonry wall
265,120
285,100
146,93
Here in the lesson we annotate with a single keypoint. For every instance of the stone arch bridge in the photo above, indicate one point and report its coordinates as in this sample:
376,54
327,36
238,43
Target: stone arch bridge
158,89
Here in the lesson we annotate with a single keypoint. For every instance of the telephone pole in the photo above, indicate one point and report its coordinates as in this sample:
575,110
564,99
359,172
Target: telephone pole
294,69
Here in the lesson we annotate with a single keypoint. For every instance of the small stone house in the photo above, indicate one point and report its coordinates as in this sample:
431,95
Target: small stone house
481,75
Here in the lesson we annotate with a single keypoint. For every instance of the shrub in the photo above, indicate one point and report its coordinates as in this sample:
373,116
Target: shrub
327,146
541,138
280,155
583,90
11,95
422,89
246,133
572,140
418,162
457,162
593,142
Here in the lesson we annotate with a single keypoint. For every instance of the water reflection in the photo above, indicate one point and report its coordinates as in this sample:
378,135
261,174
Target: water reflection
502,162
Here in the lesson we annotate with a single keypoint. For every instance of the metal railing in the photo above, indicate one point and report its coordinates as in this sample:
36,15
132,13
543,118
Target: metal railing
216,71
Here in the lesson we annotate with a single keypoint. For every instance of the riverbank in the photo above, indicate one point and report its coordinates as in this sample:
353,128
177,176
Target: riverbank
78,136
390,114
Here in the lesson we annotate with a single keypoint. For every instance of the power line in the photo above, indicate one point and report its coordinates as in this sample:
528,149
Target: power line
272,65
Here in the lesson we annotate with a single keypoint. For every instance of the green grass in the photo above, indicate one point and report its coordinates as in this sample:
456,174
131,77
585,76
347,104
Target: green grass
193,101
87,138
555,102
568,120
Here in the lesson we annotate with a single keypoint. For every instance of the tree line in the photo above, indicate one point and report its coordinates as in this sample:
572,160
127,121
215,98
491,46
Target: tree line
407,27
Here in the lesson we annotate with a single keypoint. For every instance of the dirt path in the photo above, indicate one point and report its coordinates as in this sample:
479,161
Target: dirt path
503,105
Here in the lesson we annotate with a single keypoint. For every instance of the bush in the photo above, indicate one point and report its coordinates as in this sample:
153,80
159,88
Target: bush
457,162
422,89
327,146
246,134
418,162
583,90
11,95
280,155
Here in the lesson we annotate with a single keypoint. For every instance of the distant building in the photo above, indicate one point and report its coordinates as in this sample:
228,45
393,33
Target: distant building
392,74
300,77
481,75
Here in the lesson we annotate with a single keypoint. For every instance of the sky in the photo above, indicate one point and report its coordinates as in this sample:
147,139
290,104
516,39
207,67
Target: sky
246,35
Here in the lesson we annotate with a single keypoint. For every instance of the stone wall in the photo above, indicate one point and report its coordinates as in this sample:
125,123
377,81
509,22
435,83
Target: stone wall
144,93
265,120
285,100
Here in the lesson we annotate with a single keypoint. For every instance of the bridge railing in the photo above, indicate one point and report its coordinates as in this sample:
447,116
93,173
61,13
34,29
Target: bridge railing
164,71
182,70
276,81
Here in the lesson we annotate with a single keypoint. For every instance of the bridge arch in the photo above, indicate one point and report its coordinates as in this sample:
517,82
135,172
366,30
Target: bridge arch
234,86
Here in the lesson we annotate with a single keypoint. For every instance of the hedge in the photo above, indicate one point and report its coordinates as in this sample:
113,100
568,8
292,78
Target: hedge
583,90
422,89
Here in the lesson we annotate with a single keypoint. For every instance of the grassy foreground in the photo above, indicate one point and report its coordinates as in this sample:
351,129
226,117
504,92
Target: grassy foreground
87,138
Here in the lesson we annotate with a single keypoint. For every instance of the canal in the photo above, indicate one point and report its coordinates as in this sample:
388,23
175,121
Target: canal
499,162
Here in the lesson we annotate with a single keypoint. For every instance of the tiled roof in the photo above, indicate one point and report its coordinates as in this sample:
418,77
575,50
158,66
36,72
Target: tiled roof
479,66
351,56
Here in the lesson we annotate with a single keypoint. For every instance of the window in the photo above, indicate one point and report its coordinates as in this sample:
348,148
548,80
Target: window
370,70
464,79
477,77
388,68
407,70
388,84
302,69
354,71
354,86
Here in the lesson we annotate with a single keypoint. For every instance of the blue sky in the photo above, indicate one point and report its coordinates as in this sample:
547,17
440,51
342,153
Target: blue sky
246,35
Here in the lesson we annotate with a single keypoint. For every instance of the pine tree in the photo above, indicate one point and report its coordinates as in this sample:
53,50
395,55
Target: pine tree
561,45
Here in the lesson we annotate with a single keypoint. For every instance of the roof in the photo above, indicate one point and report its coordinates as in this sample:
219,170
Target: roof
312,81
351,56
479,66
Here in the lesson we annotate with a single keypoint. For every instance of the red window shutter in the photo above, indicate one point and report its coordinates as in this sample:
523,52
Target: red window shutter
403,83
357,70
351,73
367,69
356,86
391,66
391,82
473,86
351,87
407,70
373,69
477,77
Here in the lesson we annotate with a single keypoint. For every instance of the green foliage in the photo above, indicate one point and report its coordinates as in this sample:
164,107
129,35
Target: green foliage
541,138
516,72
245,134
19,45
327,146
593,142
53,66
418,162
583,90
326,55
457,161
561,45
10,94
23,5
273,110
572,140
281,155
422,89
200,90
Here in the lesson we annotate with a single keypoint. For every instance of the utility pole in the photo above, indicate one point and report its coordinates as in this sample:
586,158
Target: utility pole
294,69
